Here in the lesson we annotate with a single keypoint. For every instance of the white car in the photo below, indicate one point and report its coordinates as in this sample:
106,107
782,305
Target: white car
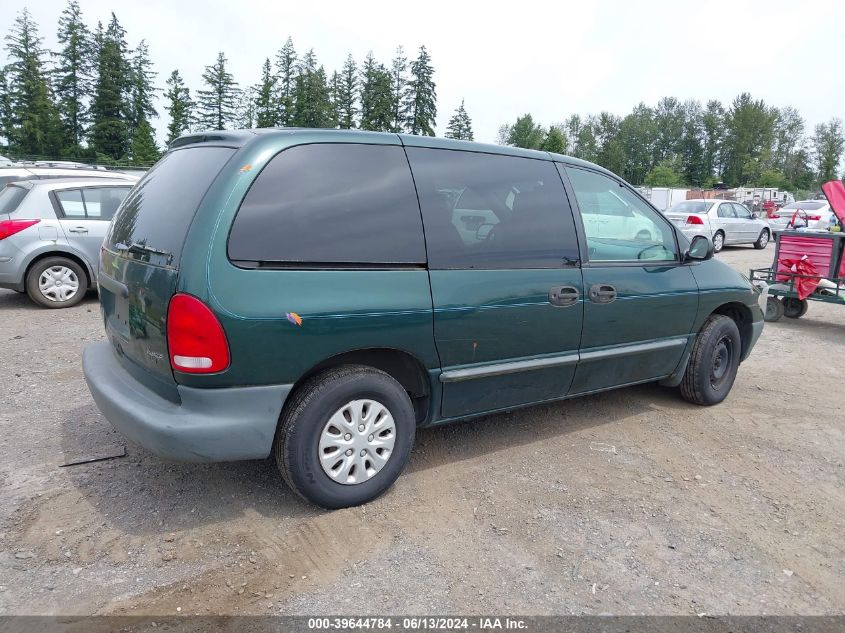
815,215
33,172
723,221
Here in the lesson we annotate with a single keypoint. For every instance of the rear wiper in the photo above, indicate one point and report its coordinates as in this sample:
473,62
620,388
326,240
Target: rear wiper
142,248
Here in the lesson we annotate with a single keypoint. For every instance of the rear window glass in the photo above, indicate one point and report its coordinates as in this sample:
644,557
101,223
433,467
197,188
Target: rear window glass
328,204
691,206
11,198
809,205
153,220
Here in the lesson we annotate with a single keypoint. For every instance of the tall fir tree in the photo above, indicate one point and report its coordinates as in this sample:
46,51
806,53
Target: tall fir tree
142,90
178,105
216,107
111,110
245,119
347,95
34,127
376,98
460,125
266,108
828,145
5,108
420,105
555,141
398,83
334,96
286,71
73,76
144,148
312,104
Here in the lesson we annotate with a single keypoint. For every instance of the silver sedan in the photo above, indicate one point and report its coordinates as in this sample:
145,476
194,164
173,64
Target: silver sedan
721,221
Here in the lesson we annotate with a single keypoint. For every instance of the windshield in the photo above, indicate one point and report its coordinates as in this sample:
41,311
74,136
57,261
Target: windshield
11,197
153,220
691,206
807,205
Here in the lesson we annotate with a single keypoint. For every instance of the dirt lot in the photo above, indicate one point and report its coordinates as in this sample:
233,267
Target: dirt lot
628,502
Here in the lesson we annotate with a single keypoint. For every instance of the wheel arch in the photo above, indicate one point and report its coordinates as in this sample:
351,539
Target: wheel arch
404,367
60,253
741,315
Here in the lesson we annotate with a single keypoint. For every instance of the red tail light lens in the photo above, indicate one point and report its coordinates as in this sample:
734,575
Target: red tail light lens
694,219
814,218
195,338
774,216
10,227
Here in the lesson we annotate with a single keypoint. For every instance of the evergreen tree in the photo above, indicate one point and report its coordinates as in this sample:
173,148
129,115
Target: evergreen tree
246,112
73,76
266,110
34,127
691,147
713,121
110,110
286,72
142,91
216,107
460,125
312,104
637,134
376,99
144,149
420,106
611,154
334,97
669,118
179,106
555,141
5,108
525,133
748,141
398,82
346,95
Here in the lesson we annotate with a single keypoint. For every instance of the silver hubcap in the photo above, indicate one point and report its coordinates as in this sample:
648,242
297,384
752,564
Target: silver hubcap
717,242
58,283
357,441
764,238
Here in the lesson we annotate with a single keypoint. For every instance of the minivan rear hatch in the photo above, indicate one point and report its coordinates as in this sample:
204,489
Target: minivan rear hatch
141,256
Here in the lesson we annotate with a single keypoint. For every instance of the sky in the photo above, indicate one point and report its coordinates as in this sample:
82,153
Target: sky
504,59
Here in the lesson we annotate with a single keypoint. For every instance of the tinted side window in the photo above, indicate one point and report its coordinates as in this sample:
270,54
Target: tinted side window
742,212
491,211
331,203
102,202
11,198
726,210
631,231
71,203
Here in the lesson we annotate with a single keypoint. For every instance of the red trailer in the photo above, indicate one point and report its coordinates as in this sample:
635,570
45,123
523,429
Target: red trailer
808,265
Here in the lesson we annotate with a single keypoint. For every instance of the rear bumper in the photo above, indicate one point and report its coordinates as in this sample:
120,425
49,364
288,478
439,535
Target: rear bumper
209,425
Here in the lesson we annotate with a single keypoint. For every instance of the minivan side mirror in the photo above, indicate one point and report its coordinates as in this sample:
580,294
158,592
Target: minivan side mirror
700,249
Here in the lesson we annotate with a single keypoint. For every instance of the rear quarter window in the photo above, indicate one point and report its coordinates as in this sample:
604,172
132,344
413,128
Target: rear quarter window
155,216
11,198
331,203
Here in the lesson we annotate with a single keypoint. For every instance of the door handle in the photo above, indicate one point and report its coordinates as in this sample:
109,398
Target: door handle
563,296
602,293
78,229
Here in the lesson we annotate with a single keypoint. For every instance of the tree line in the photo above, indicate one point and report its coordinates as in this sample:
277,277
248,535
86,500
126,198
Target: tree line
94,98
675,143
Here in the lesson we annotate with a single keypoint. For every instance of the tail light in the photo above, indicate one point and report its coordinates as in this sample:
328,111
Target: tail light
814,218
694,219
774,216
10,227
195,338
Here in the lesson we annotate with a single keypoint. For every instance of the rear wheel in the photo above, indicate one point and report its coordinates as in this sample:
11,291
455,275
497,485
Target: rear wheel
56,282
714,361
794,308
718,241
774,309
763,240
346,436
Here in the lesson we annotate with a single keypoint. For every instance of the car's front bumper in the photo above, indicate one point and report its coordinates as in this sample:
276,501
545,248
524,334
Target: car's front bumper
208,425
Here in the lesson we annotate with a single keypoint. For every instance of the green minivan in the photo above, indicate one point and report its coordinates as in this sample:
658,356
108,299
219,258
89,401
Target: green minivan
318,295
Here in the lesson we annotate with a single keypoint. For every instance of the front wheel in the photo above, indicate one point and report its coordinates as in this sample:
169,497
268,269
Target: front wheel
346,436
763,240
714,361
718,241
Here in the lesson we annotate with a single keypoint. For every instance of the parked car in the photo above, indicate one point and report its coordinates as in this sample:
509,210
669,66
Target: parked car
51,232
321,294
811,214
35,172
722,221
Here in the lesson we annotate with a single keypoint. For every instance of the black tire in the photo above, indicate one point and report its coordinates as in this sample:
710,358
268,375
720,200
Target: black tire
774,309
714,361
714,240
34,274
763,240
308,412
794,308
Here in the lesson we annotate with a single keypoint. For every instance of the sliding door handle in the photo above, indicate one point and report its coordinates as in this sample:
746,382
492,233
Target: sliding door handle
563,296
602,293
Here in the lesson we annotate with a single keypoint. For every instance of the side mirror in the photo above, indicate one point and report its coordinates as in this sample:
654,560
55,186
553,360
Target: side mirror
700,249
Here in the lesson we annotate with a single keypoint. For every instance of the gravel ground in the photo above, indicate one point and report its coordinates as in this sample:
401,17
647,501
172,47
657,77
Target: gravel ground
629,502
